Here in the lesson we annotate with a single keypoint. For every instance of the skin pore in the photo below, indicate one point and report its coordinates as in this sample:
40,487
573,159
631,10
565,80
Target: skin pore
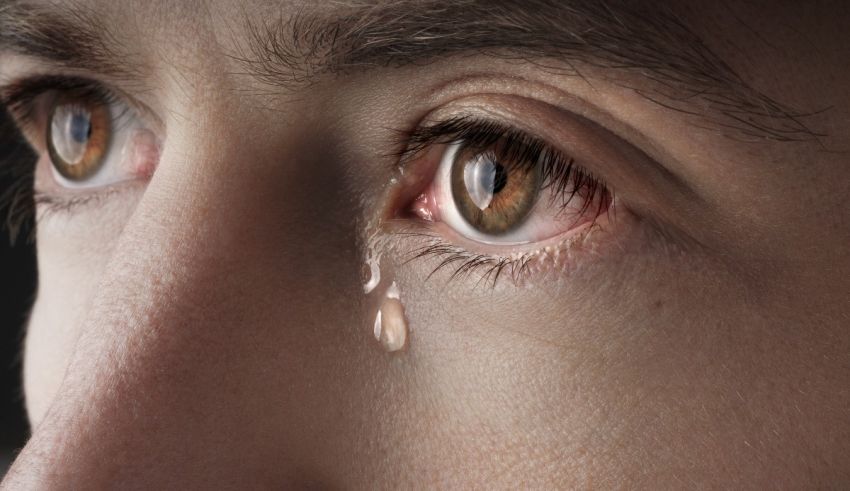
204,325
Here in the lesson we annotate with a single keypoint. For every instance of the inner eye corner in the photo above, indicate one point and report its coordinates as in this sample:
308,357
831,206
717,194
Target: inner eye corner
413,181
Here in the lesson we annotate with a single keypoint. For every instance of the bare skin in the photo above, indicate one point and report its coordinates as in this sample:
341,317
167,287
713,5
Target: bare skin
205,326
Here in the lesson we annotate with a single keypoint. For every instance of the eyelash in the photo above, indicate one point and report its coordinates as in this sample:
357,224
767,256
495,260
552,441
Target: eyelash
561,174
19,98
19,101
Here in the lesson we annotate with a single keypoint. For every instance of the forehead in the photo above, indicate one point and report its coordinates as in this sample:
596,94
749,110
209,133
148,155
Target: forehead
161,22
753,15
699,48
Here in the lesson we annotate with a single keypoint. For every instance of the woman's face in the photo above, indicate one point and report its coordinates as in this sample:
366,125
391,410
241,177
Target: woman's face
609,245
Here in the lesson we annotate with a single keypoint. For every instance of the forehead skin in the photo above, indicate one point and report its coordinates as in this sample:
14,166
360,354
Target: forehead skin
217,335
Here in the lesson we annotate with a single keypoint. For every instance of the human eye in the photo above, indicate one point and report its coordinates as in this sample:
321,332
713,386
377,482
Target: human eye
499,200
500,186
88,139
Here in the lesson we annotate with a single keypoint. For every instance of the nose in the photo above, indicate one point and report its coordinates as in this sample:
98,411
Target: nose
227,300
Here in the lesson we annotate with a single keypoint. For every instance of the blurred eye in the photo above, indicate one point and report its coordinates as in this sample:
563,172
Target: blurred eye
87,135
78,137
94,142
499,186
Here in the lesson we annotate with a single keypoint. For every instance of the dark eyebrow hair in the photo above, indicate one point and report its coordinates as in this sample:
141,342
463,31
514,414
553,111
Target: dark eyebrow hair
67,35
643,38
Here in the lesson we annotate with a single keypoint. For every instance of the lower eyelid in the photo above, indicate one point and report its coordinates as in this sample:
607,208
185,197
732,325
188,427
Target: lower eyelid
511,250
68,206
447,253
47,204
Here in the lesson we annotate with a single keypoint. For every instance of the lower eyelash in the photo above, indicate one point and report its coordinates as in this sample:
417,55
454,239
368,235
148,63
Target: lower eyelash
515,268
465,263
51,205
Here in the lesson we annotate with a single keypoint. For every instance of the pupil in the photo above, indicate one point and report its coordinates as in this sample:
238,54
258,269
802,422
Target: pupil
500,180
80,128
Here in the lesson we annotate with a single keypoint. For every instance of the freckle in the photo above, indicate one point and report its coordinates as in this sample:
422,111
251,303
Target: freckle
657,304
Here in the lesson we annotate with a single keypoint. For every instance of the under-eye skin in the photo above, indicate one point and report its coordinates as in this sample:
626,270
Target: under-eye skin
497,197
88,139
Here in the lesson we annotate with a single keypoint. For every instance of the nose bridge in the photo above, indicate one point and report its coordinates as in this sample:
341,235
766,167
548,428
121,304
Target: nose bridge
222,275
211,234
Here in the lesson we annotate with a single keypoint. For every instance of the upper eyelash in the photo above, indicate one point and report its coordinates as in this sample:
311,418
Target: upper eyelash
19,97
561,173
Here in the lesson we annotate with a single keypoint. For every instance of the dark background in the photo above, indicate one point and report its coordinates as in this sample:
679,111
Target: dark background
17,287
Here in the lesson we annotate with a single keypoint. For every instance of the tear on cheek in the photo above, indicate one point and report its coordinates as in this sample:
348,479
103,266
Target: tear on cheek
143,153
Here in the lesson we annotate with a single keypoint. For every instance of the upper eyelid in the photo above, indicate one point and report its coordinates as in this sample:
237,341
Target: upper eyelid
480,132
26,90
19,95
454,130
649,187
560,167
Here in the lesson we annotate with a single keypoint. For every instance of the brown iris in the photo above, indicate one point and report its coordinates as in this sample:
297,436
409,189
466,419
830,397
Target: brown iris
493,194
78,136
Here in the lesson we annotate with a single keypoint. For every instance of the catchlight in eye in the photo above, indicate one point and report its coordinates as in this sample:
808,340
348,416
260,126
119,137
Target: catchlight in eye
78,137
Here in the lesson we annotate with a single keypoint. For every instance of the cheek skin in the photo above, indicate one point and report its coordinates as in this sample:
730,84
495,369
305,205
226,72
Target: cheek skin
624,381
50,341
71,262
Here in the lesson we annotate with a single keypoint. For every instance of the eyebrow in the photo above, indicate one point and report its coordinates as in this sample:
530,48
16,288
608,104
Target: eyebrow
646,42
66,35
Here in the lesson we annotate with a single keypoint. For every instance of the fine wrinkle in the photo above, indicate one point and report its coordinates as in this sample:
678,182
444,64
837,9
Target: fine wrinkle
649,42
72,35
